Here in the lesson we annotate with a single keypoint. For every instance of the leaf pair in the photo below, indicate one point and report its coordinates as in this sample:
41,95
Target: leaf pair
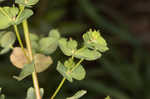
18,59
69,48
70,71
9,16
7,39
45,45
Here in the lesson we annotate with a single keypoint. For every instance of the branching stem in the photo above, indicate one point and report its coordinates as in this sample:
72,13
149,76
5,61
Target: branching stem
63,80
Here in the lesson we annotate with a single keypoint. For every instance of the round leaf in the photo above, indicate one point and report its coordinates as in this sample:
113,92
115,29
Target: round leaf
7,39
78,73
68,47
26,2
18,58
87,54
54,33
42,62
64,71
24,15
48,45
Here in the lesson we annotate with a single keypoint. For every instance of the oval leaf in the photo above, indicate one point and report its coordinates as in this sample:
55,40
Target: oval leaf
64,71
78,94
54,33
18,58
7,39
26,2
7,16
68,47
48,45
27,70
26,13
87,54
42,62
31,93
78,73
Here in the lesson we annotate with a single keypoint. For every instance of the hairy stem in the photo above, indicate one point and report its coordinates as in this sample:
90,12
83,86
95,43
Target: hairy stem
63,80
29,48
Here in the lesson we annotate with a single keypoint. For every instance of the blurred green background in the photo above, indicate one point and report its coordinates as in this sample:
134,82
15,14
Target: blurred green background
122,73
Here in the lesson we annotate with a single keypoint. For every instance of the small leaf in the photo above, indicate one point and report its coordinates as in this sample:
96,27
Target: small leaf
87,54
94,40
42,62
24,15
64,71
7,16
69,63
7,39
48,45
4,50
68,47
78,95
31,93
108,97
2,96
54,33
78,73
18,58
34,37
27,70
26,2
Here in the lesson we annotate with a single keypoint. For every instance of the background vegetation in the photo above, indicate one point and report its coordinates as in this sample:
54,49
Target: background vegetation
123,72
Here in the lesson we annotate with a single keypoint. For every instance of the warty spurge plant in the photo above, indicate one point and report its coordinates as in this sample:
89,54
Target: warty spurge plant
35,57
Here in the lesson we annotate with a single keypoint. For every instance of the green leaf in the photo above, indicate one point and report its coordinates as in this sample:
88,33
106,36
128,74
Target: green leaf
31,93
27,70
64,71
7,39
78,73
2,96
34,37
54,33
48,45
78,95
68,47
24,15
69,63
7,16
42,62
26,2
94,40
108,97
4,50
87,54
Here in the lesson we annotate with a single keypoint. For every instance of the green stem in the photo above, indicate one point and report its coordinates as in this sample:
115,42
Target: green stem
63,80
34,74
20,41
81,60
21,10
59,87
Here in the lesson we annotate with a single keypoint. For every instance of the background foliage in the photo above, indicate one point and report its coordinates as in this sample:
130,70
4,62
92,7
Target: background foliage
122,72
